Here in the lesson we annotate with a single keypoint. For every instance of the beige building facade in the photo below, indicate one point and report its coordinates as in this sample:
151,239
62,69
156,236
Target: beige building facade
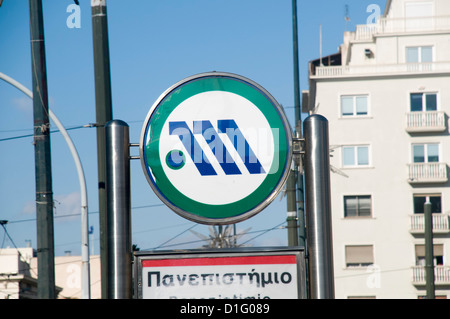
18,275
386,95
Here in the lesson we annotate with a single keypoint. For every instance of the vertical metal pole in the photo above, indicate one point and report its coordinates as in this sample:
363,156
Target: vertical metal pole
429,258
85,273
44,193
318,207
85,264
103,115
300,231
118,209
291,209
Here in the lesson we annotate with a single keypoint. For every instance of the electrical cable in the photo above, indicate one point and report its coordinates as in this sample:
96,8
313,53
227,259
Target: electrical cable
264,231
79,214
161,245
31,135
3,223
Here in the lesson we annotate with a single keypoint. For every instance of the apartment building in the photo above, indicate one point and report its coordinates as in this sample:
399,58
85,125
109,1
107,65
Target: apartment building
386,95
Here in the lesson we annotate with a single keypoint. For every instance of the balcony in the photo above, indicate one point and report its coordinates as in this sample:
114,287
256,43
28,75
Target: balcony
427,173
414,24
342,71
387,26
440,224
422,122
441,275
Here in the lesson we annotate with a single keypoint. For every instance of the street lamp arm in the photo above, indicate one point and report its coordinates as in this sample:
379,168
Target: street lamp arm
83,191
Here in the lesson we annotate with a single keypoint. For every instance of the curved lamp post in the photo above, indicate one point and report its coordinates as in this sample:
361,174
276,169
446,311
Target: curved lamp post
85,279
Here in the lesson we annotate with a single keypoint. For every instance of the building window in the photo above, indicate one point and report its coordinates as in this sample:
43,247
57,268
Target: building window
420,200
422,102
358,256
357,206
354,105
425,153
438,255
419,54
355,156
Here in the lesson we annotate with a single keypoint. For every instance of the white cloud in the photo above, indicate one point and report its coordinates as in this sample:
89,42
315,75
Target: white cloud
24,104
69,204
64,205
29,208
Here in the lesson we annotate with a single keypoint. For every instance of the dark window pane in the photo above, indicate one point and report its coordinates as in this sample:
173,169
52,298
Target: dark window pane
418,204
419,201
355,206
350,206
416,102
435,204
365,206
431,102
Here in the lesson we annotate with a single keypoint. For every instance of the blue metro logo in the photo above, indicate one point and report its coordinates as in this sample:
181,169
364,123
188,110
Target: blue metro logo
217,146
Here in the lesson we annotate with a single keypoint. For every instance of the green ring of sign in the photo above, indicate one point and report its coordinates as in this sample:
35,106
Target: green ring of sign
172,197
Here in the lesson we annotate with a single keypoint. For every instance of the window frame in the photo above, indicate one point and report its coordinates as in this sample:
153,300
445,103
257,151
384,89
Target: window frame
419,54
357,197
354,108
426,153
424,100
438,258
427,197
356,156
362,264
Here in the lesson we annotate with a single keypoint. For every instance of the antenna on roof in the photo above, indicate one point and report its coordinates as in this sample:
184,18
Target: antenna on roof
346,16
320,44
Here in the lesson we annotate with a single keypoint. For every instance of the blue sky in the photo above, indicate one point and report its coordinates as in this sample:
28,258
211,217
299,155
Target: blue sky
153,44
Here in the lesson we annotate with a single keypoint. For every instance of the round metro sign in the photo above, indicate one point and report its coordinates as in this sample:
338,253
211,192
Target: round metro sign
216,148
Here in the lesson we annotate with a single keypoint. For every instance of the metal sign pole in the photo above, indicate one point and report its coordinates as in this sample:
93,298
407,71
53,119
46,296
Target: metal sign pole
103,110
318,207
118,210
42,151
429,267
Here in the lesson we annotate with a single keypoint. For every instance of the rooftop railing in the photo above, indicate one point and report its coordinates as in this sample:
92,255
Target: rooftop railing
386,26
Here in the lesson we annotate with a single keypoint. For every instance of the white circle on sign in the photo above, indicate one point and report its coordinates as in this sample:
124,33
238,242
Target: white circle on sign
221,188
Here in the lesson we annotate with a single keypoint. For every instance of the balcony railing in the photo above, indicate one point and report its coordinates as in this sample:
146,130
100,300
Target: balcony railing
427,173
441,275
431,121
414,24
387,26
380,69
440,223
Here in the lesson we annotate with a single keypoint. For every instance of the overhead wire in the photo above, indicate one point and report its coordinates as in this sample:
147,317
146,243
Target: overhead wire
79,214
169,240
52,131
2,223
264,231
73,128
